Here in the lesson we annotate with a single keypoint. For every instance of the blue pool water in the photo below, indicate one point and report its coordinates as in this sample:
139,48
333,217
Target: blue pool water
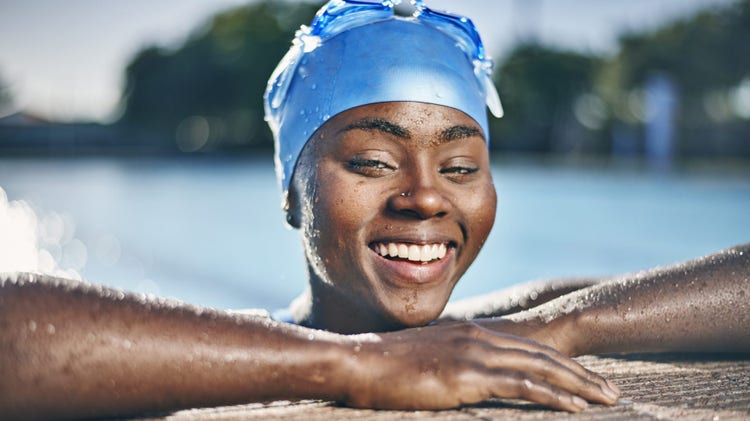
210,231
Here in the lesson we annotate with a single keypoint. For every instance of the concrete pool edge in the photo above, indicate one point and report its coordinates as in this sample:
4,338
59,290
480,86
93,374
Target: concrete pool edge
654,386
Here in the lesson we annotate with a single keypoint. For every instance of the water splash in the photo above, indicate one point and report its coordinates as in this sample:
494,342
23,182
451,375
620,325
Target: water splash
39,242
18,223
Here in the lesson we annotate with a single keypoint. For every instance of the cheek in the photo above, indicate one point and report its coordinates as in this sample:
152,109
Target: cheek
482,210
340,209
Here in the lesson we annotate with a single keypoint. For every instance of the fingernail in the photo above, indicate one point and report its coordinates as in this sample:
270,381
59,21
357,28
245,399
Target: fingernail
579,402
613,387
610,394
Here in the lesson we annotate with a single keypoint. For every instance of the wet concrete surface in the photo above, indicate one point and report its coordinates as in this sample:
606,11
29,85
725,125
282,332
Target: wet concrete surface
654,386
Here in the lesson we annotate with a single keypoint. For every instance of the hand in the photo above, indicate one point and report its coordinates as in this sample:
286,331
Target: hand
460,363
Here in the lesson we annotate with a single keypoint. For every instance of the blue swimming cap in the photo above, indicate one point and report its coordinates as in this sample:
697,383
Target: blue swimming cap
357,53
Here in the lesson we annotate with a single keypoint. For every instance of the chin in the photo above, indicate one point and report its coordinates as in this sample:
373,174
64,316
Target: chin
413,308
415,317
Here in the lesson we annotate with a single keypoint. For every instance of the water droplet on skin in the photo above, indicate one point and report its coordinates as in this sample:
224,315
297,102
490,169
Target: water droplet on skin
357,348
50,328
311,337
32,326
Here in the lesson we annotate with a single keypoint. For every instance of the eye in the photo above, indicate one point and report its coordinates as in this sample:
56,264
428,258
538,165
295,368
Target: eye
368,167
459,171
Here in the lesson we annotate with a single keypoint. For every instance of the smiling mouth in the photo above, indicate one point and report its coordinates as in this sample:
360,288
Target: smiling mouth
423,253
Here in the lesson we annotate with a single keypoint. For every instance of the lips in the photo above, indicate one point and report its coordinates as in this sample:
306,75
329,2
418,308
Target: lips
408,262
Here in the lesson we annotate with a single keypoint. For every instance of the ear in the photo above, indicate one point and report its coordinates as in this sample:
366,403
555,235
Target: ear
292,207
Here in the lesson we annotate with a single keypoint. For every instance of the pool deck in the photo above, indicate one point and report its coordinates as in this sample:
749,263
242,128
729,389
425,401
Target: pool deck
654,386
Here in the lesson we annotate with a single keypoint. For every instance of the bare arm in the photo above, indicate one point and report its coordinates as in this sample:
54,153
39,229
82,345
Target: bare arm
697,306
514,299
70,350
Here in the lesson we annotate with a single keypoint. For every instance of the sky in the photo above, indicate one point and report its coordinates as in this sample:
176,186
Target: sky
65,60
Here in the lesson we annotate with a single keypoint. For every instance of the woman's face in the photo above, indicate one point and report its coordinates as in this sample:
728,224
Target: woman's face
395,200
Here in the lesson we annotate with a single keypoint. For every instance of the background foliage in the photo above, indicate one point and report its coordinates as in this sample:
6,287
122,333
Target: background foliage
207,94
215,82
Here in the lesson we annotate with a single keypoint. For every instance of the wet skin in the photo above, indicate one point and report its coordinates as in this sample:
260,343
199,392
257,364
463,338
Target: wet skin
400,173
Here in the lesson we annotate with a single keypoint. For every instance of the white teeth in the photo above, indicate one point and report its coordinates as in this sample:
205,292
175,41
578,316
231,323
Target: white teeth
412,252
426,253
403,251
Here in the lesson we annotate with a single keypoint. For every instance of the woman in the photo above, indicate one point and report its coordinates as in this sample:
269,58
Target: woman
381,139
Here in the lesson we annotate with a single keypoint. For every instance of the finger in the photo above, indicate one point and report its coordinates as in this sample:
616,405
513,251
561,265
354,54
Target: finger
552,371
514,384
502,340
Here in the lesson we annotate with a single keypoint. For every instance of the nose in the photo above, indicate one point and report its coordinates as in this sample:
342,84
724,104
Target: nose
420,199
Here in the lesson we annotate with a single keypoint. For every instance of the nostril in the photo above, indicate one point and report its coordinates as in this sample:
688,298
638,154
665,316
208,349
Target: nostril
410,212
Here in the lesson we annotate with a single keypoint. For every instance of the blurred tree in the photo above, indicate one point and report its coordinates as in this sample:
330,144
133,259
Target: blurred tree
207,94
6,98
707,58
539,87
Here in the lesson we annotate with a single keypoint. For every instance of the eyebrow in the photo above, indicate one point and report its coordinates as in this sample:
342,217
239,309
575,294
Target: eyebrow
459,132
385,126
378,124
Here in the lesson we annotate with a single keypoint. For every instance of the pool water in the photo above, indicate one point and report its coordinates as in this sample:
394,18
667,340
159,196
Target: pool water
209,231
